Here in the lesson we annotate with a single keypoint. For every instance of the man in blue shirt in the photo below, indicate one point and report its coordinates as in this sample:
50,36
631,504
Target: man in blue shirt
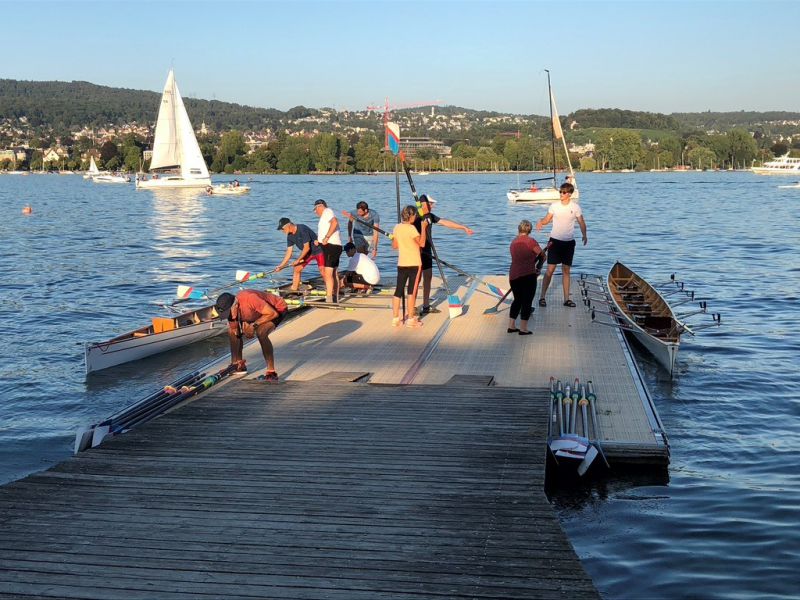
360,234
303,237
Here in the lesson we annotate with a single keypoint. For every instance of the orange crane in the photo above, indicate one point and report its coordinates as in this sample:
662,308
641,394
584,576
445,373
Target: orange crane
387,108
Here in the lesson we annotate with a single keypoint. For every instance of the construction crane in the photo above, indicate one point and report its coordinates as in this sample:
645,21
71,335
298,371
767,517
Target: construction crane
387,108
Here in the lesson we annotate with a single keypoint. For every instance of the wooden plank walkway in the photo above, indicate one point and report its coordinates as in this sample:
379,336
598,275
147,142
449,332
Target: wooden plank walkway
315,489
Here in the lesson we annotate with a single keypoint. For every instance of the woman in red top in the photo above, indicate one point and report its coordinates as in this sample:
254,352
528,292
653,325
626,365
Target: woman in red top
526,260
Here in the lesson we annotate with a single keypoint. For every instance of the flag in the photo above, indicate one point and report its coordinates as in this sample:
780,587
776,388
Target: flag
393,137
557,133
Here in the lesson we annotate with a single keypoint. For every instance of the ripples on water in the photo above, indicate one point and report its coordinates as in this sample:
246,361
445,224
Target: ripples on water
90,260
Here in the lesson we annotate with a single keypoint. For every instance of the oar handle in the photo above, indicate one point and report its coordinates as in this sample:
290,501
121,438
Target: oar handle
352,217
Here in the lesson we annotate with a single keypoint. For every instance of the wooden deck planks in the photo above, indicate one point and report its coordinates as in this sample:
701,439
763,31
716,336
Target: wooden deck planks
302,490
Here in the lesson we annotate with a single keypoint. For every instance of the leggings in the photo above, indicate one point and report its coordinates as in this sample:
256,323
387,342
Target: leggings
524,290
407,276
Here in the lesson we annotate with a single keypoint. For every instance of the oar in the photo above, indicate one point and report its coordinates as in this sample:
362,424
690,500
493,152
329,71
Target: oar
301,303
592,452
352,217
493,309
576,395
559,399
592,398
454,302
567,408
187,292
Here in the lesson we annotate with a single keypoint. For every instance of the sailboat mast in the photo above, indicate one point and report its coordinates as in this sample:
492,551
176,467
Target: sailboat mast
552,131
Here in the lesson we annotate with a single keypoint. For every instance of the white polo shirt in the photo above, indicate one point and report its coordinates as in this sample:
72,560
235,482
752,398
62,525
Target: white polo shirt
324,224
564,218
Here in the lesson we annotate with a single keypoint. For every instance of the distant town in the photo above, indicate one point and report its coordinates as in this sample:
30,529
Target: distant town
42,137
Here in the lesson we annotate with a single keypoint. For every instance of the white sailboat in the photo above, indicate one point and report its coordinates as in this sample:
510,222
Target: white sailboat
548,194
177,161
93,170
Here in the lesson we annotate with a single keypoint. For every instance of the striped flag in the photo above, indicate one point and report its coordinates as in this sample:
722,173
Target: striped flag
393,137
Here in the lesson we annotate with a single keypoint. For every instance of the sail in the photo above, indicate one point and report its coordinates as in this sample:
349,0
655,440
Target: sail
166,153
93,170
192,163
557,133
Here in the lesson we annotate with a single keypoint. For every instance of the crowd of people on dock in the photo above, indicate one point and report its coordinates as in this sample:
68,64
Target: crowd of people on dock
253,313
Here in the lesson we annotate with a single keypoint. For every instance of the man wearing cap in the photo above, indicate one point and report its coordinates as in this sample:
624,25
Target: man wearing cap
360,233
329,238
426,204
252,313
305,239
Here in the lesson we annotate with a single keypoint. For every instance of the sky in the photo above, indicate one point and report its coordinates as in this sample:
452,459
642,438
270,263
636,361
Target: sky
659,56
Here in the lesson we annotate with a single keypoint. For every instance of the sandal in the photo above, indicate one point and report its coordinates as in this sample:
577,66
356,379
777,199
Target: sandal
542,302
569,303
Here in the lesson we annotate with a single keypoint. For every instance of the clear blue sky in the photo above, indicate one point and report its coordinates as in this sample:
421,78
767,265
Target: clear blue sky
662,56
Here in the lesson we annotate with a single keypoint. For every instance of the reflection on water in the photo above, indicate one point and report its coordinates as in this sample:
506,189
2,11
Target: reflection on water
178,224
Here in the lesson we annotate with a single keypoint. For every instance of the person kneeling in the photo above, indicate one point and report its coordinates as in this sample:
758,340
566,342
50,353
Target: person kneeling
362,273
252,313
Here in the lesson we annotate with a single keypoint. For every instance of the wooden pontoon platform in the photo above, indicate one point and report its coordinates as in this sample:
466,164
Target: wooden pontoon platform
388,463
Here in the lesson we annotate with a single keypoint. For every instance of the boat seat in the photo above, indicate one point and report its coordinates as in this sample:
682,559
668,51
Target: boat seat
658,323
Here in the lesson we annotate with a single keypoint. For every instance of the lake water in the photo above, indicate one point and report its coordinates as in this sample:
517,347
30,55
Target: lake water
90,260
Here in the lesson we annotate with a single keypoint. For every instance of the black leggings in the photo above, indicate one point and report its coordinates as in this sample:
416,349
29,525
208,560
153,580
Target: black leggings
524,290
407,276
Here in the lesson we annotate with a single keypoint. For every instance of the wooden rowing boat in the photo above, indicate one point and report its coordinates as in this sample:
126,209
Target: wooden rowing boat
647,316
162,334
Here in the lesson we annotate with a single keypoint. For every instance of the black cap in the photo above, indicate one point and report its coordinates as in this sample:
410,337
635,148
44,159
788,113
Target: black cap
224,302
283,222
322,202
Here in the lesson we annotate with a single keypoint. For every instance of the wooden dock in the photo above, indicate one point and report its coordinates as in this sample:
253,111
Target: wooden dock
388,463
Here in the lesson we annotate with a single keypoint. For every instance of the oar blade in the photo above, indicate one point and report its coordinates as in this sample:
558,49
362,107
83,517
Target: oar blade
187,292
455,306
496,290
587,461
242,276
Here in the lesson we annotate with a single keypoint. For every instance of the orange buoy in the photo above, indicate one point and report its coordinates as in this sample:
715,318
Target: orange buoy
27,210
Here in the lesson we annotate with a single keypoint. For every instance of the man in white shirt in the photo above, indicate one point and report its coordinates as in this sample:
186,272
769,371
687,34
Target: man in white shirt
362,273
563,214
330,239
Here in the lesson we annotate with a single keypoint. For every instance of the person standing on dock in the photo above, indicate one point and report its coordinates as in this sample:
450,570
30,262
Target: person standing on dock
363,236
426,204
563,214
329,238
408,242
526,260
304,238
252,313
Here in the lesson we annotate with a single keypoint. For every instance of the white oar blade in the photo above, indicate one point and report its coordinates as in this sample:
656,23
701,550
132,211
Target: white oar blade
456,308
242,276
184,291
591,454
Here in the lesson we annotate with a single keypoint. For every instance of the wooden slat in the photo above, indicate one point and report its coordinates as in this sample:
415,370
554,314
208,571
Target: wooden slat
312,489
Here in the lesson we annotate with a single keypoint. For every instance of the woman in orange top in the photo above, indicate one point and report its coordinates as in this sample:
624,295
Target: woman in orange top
408,242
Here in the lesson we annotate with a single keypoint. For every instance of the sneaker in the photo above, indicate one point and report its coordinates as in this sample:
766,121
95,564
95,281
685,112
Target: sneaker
413,322
396,322
429,309
241,366
268,376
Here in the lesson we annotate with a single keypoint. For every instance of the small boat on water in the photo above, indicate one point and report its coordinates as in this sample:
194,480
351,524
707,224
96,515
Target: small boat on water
162,334
111,178
784,165
550,193
648,316
227,189
794,186
93,170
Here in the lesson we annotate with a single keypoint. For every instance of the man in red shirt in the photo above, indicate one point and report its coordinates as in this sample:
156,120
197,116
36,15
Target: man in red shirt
252,313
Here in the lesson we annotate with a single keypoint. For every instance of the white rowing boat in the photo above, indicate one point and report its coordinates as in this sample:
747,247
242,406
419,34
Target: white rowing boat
227,189
162,334
649,318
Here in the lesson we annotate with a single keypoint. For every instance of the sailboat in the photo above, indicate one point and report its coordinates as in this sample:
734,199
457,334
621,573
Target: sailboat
93,170
547,194
177,161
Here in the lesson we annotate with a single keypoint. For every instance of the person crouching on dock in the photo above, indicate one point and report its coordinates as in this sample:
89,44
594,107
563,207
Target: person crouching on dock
252,313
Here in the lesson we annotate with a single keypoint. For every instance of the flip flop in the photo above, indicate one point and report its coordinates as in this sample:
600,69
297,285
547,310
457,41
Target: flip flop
542,302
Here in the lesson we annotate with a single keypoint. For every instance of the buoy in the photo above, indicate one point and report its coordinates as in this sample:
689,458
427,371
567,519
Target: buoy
27,210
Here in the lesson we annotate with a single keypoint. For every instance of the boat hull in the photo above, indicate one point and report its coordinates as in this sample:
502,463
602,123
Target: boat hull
172,183
147,341
649,320
229,191
110,179
543,196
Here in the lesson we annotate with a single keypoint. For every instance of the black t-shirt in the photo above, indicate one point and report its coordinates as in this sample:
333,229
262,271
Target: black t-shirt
299,238
431,218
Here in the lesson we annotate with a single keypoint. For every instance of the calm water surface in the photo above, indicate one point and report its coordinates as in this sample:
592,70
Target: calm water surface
91,259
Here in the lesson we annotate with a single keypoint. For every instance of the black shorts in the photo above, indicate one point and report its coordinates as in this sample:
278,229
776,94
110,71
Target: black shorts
351,278
427,260
560,252
331,254
407,276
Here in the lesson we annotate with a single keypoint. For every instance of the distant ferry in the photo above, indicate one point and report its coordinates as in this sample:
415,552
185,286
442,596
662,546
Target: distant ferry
780,166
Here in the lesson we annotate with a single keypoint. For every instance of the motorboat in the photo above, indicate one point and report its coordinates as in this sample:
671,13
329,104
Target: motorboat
784,165
227,189
111,178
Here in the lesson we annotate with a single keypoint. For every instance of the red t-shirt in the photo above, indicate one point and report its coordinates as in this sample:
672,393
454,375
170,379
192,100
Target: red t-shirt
524,251
249,304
